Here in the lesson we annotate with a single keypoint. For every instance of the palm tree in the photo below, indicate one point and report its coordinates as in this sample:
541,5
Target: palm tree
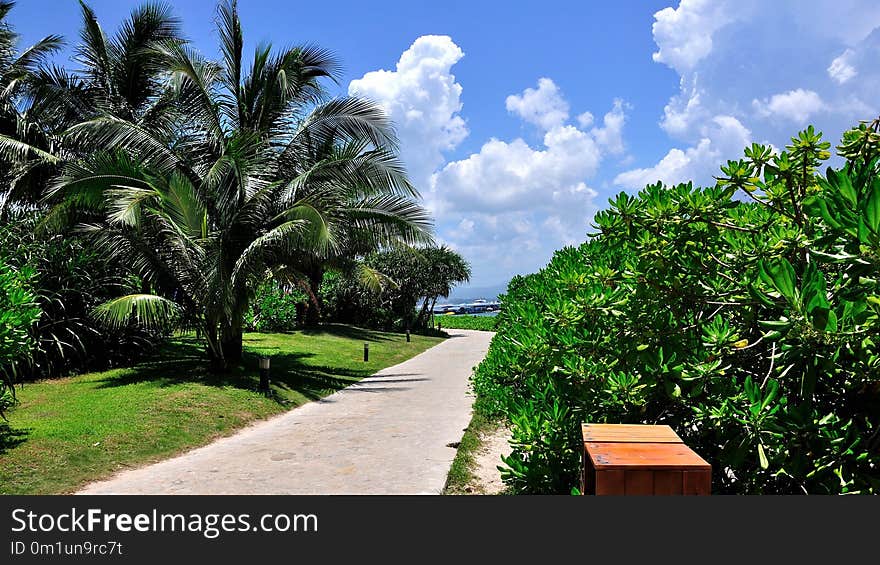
445,269
120,76
17,135
260,175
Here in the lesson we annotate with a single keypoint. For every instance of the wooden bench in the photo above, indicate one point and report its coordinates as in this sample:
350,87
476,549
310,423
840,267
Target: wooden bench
640,459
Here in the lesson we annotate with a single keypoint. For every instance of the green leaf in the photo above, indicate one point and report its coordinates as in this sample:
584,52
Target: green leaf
780,274
762,457
871,212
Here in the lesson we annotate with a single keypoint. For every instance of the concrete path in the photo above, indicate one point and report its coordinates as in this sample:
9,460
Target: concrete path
386,434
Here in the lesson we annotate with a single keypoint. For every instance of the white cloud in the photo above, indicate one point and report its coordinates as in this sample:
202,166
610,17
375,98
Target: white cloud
684,112
730,54
526,201
424,101
840,69
510,196
586,119
543,107
795,105
610,135
505,176
684,34
723,138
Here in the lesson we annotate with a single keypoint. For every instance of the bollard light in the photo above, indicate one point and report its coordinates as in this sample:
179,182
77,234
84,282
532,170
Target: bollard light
407,335
366,352
264,374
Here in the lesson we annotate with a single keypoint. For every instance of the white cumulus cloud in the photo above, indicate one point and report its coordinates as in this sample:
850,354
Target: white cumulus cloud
734,60
544,107
795,105
610,135
527,200
723,138
505,176
423,99
684,34
841,69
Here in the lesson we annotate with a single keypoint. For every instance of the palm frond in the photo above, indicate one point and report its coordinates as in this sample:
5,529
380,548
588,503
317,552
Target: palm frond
374,280
15,150
146,310
113,134
344,120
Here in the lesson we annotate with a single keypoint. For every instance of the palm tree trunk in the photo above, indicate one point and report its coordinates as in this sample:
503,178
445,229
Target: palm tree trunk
224,346
422,319
231,345
213,349
313,310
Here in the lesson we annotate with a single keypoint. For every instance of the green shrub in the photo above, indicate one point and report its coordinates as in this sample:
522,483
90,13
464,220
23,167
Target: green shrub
276,308
744,315
467,322
70,279
18,314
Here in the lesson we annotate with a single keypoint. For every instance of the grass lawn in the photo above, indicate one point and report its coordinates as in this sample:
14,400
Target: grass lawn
67,432
466,322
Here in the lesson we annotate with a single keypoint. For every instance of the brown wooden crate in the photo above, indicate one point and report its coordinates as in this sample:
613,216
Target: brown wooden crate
588,475
697,482
628,433
639,482
610,482
668,482
663,456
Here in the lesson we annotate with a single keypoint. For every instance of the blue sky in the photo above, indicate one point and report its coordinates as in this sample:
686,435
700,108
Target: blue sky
518,120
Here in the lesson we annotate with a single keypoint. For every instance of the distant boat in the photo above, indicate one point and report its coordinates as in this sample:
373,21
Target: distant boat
478,306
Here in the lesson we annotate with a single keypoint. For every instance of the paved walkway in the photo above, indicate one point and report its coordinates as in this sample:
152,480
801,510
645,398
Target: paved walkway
386,434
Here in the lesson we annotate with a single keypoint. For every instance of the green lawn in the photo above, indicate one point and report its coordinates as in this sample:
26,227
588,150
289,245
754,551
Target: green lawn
466,322
67,432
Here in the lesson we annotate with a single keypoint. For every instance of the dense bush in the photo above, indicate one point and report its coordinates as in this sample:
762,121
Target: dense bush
18,313
745,315
346,300
70,279
276,308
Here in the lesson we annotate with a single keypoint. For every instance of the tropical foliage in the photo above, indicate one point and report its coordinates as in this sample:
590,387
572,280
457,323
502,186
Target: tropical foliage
276,308
745,315
69,279
18,312
386,289
249,174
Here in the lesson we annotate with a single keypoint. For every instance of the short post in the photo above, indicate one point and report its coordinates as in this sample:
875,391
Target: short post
264,374
439,326
407,335
366,352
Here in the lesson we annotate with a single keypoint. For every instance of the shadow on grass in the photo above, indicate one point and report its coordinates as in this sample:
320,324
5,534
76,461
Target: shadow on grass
11,437
183,361
350,332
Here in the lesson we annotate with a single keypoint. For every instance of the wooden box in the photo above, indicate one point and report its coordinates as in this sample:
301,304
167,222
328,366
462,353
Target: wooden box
640,459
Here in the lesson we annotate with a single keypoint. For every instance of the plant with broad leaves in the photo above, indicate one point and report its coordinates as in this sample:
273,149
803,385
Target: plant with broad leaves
745,315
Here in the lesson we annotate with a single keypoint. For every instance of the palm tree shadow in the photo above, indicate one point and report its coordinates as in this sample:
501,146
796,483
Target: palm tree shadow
11,437
288,372
184,362
350,332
